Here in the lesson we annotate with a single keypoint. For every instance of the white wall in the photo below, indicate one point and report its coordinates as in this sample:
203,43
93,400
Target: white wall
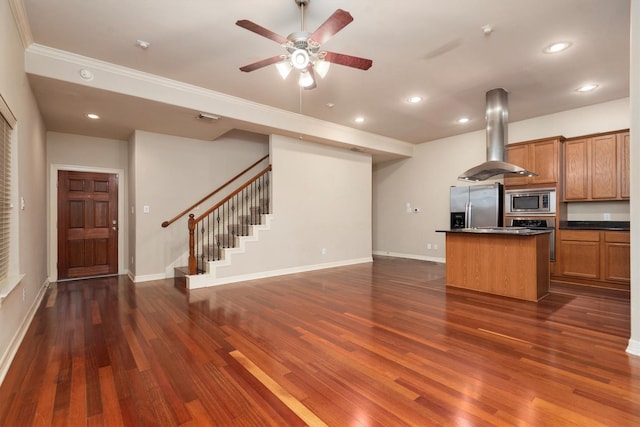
424,179
170,173
634,342
321,199
17,310
131,202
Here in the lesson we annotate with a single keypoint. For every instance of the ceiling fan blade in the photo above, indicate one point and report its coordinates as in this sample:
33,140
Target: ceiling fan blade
336,22
348,60
260,30
260,64
313,76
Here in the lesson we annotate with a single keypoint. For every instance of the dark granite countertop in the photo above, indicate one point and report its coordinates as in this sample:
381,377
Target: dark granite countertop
510,231
595,225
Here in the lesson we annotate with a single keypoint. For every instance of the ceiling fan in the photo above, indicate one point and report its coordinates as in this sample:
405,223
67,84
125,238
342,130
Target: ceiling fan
303,48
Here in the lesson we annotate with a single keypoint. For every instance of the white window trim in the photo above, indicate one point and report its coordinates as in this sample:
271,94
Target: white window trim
14,277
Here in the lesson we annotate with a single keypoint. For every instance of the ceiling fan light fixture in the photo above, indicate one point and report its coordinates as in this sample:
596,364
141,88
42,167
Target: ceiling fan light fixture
322,67
284,68
305,79
300,59
303,48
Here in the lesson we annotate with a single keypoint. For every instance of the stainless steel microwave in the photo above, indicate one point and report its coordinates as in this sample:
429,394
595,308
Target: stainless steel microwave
539,201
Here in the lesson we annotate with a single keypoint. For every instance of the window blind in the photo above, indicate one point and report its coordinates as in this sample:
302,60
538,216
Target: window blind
6,122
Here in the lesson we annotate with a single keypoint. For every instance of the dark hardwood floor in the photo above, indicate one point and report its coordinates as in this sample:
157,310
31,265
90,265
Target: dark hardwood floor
381,344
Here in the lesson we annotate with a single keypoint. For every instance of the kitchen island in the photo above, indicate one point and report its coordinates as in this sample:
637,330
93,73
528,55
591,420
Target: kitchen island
507,261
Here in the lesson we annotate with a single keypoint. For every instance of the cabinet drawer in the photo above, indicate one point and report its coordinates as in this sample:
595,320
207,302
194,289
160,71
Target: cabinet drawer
617,236
580,235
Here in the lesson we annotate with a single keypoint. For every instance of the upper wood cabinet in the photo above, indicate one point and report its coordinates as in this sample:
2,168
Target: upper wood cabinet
623,151
541,157
596,167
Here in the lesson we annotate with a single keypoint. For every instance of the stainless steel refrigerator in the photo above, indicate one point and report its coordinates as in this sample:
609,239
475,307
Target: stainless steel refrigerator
476,206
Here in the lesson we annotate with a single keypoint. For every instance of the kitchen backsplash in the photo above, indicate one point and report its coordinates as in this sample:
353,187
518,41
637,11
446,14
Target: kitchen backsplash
598,211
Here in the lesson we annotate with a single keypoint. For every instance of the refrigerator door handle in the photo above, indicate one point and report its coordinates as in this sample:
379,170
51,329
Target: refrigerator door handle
467,214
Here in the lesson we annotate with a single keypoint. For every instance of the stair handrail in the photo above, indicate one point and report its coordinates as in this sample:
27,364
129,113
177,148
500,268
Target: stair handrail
230,196
184,212
193,221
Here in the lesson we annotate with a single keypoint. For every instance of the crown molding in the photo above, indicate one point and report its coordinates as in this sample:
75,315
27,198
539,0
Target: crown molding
20,17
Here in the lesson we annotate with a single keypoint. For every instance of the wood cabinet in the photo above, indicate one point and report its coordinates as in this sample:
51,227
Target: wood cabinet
540,156
594,257
616,250
511,265
578,254
596,167
623,152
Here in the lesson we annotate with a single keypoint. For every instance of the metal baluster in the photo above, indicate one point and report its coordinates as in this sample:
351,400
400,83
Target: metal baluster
268,192
208,237
202,230
217,234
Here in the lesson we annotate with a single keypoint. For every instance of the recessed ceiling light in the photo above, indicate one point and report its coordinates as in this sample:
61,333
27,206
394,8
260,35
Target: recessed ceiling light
414,99
143,44
330,104
587,87
463,120
359,119
557,47
92,116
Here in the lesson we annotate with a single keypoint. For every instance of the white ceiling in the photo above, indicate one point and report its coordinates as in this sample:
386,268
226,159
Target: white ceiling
436,49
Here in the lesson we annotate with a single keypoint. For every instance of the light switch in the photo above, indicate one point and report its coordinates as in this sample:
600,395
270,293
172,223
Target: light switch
145,209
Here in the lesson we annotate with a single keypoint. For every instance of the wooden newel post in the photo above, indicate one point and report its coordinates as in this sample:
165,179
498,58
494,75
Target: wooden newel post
192,245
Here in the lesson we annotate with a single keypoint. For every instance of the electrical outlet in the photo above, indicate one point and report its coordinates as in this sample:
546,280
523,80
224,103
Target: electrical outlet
429,246
435,247
324,251
607,217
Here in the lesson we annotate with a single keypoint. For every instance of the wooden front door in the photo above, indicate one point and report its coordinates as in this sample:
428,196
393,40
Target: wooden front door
87,224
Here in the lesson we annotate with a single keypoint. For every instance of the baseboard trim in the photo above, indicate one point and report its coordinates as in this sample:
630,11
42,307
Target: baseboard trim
12,349
634,347
203,281
147,277
410,256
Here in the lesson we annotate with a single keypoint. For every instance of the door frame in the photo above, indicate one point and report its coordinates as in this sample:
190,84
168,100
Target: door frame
52,229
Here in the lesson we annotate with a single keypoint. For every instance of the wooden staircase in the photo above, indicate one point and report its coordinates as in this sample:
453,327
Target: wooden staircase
225,244
222,229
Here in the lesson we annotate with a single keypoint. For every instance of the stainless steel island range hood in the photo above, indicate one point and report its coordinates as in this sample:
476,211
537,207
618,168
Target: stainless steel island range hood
497,117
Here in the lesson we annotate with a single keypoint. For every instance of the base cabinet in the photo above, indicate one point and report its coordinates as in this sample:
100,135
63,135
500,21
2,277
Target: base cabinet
593,257
617,255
